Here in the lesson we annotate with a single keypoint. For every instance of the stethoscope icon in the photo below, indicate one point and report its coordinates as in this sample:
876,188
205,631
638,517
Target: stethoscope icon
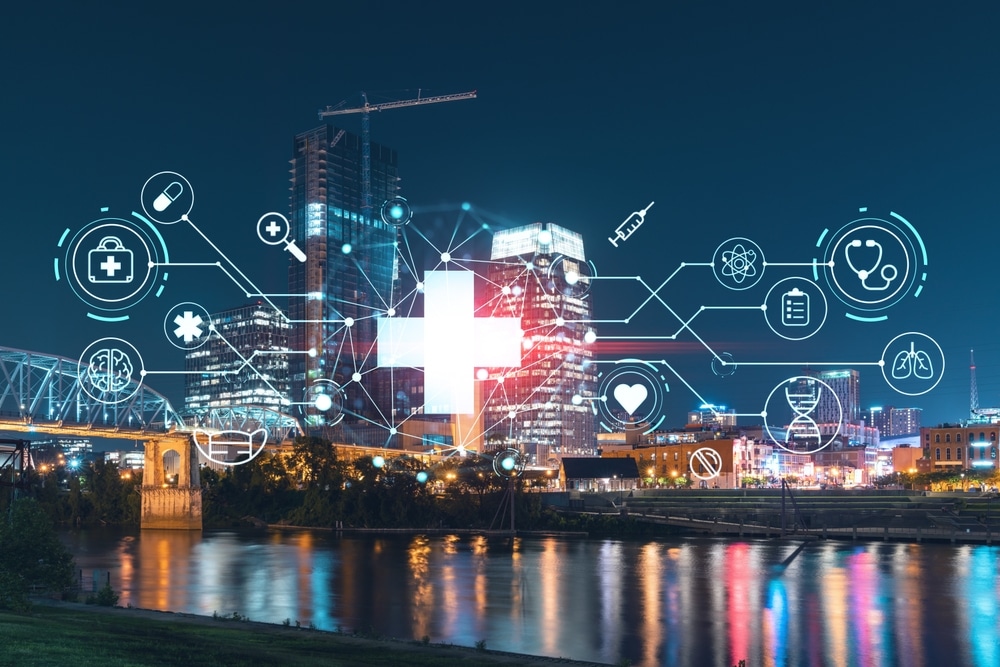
888,273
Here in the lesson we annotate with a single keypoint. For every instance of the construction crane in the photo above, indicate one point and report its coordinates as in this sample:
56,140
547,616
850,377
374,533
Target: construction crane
974,410
366,147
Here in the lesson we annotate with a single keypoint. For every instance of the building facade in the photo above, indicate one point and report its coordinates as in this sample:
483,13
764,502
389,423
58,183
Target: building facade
715,417
957,446
349,278
218,374
538,274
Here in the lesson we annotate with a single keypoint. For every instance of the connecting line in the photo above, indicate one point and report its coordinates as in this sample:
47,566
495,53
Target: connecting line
683,325
246,363
235,268
653,293
809,363
369,280
813,264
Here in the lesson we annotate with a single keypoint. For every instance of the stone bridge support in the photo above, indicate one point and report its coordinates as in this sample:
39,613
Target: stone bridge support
164,504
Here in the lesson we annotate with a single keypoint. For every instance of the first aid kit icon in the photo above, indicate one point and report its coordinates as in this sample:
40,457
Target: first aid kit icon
110,262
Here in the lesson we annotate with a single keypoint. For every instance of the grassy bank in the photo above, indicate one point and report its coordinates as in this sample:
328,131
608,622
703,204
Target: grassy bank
85,636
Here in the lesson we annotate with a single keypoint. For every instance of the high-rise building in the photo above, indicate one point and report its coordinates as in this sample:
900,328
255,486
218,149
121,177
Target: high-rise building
217,373
349,277
880,417
538,273
846,386
904,421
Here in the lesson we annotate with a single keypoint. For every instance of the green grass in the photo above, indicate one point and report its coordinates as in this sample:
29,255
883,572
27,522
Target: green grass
91,636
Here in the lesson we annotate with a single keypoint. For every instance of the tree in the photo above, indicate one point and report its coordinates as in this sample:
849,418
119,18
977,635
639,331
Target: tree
31,555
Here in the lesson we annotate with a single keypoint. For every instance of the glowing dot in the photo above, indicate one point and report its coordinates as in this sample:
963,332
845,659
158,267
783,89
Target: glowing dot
211,327
349,322
508,463
312,352
142,373
421,476
881,362
446,257
763,414
396,212
466,206
346,248
482,374
517,290
420,286
378,461
530,266
391,312
505,289
393,431
356,377
512,415
323,402
589,337
572,277
544,237
577,399
560,322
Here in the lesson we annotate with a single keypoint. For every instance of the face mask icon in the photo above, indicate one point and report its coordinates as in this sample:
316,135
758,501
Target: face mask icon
912,362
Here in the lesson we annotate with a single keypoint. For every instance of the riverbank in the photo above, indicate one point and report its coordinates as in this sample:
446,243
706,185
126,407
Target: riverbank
57,633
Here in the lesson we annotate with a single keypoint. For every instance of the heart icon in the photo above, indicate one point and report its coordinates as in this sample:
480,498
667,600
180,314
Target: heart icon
630,397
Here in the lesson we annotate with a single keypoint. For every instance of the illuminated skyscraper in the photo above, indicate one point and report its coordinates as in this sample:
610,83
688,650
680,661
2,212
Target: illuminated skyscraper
846,385
350,273
539,273
217,374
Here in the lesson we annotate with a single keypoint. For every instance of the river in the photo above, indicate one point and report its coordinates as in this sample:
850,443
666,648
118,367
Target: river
685,602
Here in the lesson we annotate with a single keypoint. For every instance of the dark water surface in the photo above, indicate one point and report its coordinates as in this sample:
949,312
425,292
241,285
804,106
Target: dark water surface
690,602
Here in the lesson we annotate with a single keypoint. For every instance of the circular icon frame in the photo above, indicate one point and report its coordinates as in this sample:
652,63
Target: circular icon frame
160,192
734,263
803,399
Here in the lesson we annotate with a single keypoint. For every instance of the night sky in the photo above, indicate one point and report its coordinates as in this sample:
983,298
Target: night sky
771,121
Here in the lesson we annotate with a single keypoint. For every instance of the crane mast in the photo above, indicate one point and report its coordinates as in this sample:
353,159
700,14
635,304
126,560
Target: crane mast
366,150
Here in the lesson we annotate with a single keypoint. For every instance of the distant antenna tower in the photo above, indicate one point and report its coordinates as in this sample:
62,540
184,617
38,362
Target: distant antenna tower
975,411
973,388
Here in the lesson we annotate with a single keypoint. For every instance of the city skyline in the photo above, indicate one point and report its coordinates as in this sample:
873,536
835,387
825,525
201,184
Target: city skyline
709,116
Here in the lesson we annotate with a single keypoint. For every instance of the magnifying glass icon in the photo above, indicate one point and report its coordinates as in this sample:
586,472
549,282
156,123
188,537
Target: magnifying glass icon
273,229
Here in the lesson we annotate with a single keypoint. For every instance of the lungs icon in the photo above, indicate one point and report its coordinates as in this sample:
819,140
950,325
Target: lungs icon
912,362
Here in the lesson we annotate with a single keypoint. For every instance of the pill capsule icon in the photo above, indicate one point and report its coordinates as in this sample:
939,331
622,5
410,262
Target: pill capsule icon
168,196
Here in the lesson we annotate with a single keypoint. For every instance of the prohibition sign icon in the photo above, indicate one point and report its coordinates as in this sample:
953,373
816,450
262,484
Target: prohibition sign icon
710,462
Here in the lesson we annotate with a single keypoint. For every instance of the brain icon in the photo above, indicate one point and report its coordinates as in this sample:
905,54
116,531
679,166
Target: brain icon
109,370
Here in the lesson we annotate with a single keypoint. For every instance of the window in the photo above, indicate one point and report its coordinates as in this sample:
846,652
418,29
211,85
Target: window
982,437
947,454
937,438
958,437
958,453
947,437
937,454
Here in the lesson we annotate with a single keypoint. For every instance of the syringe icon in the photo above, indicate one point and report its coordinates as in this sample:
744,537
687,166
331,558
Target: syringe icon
631,223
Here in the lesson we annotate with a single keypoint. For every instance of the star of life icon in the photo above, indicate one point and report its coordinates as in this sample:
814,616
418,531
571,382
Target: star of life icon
188,326
803,426
795,308
110,262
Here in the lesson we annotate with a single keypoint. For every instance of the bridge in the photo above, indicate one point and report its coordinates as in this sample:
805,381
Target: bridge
41,393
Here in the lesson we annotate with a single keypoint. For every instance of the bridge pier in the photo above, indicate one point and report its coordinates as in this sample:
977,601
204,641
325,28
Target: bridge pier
166,505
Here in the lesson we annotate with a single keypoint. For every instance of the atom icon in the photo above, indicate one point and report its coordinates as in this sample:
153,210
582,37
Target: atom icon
738,259
739,263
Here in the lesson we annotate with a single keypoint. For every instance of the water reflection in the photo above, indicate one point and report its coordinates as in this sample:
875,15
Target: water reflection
686,602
